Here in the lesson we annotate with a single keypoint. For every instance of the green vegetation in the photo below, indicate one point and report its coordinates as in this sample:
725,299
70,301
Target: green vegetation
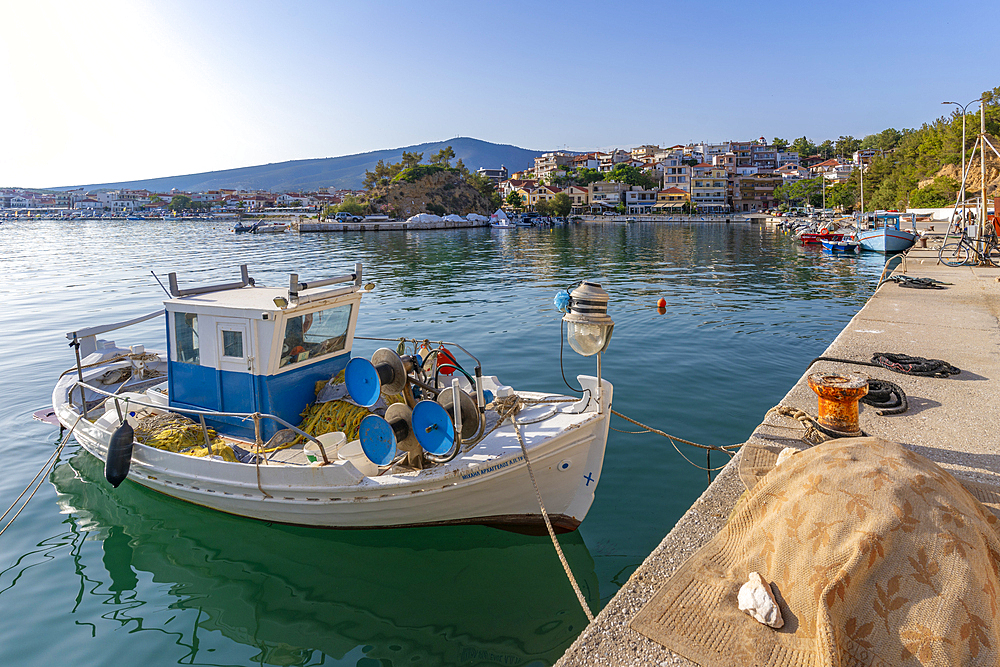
351,205
561,205
515,201
581,177
485,187
180,203
414,174
625,173
909,157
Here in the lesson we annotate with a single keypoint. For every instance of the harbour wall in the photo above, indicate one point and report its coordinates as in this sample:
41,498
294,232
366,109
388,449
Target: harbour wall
955,422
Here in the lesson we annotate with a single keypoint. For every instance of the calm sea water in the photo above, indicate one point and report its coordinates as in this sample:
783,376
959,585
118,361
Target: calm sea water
96,576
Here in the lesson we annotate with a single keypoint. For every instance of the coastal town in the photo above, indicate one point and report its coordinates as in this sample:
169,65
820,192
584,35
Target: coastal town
704,178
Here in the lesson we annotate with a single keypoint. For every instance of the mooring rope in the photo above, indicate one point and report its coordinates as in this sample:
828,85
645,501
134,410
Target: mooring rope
38,475
901,363
674,440
510,406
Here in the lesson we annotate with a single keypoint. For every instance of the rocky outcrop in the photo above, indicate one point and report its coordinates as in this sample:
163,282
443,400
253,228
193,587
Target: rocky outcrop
441,193
972,185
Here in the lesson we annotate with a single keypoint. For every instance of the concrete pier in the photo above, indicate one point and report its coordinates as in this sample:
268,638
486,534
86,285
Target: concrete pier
954,422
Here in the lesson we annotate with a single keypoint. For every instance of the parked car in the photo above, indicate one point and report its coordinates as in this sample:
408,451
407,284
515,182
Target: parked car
347,217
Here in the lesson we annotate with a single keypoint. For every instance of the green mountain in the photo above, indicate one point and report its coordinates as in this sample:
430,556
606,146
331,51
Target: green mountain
346,172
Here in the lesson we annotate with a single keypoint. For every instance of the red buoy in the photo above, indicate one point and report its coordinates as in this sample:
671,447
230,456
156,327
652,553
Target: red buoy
662,303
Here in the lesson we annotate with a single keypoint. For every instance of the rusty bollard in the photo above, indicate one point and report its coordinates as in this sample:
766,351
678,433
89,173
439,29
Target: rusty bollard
838,400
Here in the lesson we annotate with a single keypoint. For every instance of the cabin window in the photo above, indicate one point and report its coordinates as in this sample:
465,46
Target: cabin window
315,334
186,338
232,344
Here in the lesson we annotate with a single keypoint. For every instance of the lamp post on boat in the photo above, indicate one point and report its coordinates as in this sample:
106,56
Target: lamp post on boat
589,327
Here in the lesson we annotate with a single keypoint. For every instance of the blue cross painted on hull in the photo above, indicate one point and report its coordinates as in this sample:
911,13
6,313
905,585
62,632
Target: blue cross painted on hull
589,479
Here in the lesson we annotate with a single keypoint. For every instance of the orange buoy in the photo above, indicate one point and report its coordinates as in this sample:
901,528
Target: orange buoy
661,311
662,303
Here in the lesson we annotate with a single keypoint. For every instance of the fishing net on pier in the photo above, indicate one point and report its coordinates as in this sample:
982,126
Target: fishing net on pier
874,555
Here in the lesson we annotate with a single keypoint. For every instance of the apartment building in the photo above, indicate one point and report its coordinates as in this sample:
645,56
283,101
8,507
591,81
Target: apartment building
755,192
607,161
495,175
638,200
676,174
671,200
709,188
606,194
550,162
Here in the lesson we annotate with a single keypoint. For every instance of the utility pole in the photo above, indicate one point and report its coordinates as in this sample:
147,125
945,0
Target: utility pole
982,170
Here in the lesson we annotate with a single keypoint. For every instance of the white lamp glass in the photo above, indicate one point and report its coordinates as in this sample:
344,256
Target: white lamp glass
588,327
588,339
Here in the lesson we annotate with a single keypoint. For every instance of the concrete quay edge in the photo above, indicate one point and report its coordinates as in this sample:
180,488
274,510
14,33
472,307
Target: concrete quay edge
955,422
383,226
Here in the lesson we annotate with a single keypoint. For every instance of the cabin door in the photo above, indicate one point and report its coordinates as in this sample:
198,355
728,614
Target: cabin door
236,362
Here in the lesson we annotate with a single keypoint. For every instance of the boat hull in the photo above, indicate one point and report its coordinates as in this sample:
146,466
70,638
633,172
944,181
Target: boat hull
886,240
815,238
487,485
840,246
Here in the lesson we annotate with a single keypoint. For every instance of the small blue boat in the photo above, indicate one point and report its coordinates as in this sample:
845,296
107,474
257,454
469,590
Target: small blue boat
880,232
845,244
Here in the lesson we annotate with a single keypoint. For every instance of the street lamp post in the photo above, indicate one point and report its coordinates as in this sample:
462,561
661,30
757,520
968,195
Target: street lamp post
961,195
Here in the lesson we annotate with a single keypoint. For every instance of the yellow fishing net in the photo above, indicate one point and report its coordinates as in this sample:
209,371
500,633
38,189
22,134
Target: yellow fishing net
176,433
337,415
875,555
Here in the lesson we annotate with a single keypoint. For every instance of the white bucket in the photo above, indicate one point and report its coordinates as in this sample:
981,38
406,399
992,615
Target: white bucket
353,452
332,442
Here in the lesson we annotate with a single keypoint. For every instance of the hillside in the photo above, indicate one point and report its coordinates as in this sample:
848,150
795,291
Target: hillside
346,172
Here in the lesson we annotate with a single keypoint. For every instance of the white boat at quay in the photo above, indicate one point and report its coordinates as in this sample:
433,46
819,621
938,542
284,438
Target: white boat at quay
253,406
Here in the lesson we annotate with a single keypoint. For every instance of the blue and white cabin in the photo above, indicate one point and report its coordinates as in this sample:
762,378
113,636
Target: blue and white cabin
242,348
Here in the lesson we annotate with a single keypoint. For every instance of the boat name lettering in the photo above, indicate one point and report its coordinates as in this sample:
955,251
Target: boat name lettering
492,468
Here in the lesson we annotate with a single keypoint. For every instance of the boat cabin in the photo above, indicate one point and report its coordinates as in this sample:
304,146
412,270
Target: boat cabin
887,220
242,348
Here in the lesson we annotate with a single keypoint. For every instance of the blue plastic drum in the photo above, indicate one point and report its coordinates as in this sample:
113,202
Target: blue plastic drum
377,440
433,428
362,382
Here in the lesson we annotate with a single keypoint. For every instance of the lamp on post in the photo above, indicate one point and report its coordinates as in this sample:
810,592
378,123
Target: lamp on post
961,195
588,326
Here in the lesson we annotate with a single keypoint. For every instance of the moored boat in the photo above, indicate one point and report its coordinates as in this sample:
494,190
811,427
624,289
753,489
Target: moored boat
847,243
500,219
816,238
271,227
215,418
880,232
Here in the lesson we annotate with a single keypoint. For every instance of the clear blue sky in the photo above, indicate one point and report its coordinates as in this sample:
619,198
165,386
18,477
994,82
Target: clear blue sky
105,91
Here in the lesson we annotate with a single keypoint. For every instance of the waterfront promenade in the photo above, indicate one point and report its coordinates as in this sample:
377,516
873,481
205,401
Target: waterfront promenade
955,422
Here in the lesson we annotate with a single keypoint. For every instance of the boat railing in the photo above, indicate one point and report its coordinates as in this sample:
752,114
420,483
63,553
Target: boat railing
256,417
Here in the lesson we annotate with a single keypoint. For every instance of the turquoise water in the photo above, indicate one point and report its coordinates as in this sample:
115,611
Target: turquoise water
93,575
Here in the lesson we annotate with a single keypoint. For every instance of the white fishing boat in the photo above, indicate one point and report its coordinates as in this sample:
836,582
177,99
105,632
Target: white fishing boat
216,419
500,219
271,228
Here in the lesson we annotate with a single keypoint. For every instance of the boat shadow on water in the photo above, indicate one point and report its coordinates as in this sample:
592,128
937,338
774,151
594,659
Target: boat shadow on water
456,595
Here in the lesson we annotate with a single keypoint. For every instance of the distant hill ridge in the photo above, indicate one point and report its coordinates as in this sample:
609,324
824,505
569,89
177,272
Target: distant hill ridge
346,172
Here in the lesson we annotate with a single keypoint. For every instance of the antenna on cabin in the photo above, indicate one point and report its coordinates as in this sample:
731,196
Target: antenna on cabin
161,285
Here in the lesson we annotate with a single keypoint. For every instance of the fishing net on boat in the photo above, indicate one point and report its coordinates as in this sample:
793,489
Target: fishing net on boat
874,555
176,433
339,414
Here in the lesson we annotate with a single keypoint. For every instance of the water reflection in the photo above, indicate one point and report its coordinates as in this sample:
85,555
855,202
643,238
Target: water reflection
431,596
